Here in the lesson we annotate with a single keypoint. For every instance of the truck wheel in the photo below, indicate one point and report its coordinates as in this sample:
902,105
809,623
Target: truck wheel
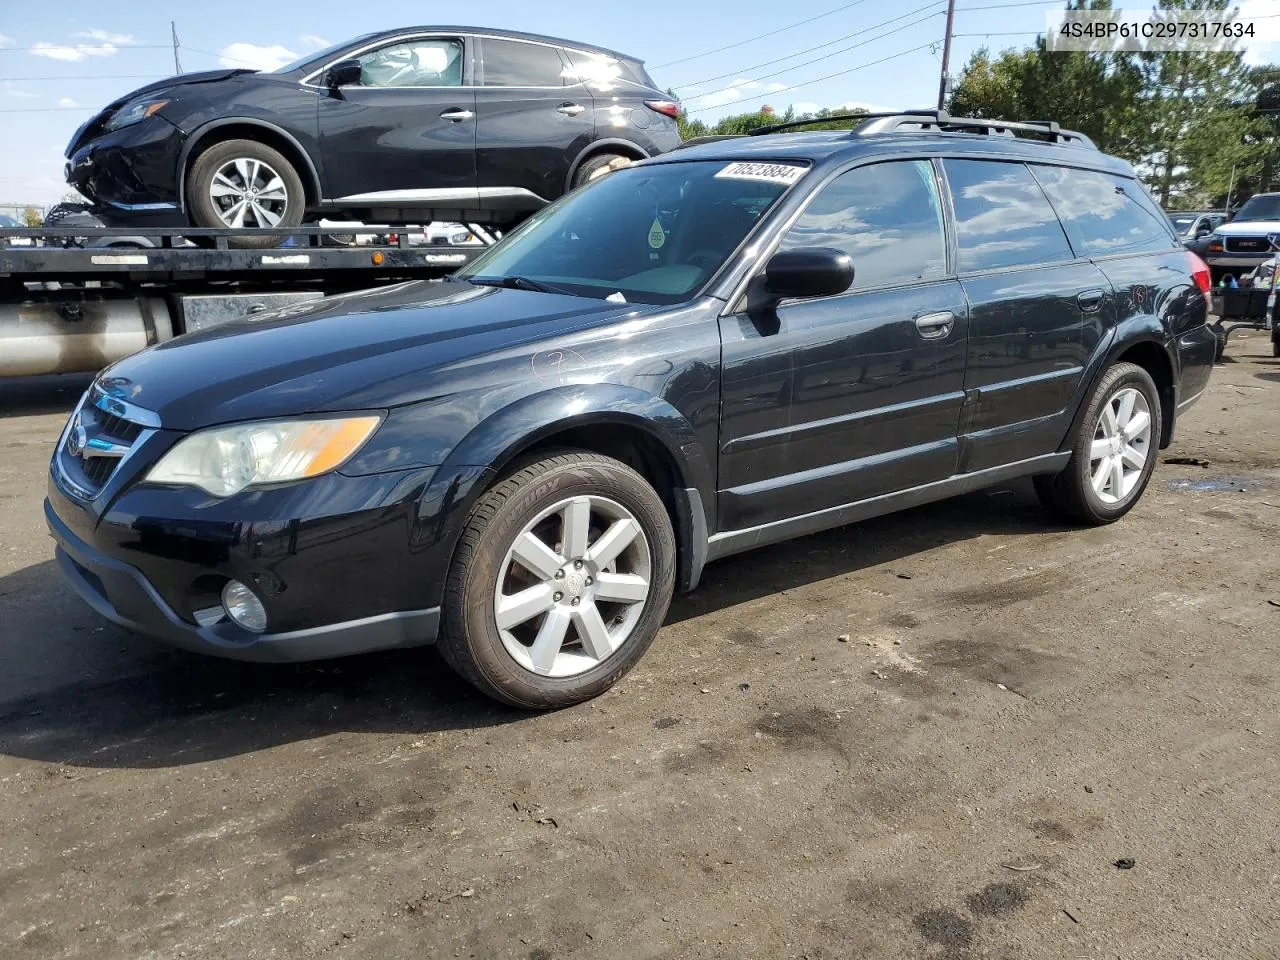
1114,451
597,166
560,581
242,183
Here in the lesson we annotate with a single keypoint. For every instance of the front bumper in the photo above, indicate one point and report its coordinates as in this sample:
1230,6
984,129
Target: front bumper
132,173
1236,261
337,561
123,595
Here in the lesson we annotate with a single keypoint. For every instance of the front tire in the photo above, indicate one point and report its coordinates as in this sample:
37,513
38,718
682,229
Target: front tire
1114,451
243,183
560,581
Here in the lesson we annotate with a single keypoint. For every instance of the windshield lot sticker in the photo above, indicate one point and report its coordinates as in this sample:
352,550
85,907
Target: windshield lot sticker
657,236
787,173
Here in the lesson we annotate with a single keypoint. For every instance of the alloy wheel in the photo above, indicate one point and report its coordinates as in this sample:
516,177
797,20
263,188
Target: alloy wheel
573,586
248,193
1121,445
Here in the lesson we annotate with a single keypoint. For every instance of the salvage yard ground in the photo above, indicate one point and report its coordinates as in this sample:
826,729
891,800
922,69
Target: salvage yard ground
930,735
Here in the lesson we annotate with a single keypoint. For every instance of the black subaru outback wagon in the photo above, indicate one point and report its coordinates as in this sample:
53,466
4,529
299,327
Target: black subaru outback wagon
425,123
728,346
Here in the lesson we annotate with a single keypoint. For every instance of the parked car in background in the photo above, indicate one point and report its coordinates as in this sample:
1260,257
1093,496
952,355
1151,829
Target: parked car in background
413,125
1193,224
716,350
1248,239
9,223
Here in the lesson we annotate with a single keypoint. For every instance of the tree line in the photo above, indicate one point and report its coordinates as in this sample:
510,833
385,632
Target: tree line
1198,126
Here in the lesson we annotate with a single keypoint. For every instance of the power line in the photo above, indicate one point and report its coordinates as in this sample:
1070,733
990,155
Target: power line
800,53
98,76
86,47
41,109
830,76
759,36
825,56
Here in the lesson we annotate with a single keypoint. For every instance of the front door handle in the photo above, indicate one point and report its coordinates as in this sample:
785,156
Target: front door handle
1090,301
457,115
935,326
571,109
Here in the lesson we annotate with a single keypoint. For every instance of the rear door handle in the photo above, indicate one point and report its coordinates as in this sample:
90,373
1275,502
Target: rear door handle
935,326
571,109
1090,301
457,115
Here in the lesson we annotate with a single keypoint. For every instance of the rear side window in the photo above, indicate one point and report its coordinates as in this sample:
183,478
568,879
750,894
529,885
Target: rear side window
1002,216
1104,214
886,217
513,63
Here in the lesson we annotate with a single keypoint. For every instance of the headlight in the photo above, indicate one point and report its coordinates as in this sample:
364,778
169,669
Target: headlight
225,460
133,112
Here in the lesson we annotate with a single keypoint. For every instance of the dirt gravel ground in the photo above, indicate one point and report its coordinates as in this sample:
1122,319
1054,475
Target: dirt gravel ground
932,735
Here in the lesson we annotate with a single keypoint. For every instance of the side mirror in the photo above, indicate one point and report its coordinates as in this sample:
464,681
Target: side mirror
344,73
1203,230
809,272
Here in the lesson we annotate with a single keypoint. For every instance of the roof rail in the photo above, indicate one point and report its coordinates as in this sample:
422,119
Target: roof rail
940,120
710,138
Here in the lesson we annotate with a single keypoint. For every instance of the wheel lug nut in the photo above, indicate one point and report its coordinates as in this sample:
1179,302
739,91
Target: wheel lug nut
574,602
558,597
559,574
577,564
588,581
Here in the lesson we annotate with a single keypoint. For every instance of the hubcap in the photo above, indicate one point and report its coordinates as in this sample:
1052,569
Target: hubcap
1121,444
248,193
573,586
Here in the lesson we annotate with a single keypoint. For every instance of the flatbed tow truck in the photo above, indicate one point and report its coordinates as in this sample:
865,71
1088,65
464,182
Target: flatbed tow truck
74,299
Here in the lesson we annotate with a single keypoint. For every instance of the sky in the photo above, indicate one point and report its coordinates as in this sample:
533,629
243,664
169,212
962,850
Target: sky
60,62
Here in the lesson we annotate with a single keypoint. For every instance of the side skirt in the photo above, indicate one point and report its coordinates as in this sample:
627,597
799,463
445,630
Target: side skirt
736,541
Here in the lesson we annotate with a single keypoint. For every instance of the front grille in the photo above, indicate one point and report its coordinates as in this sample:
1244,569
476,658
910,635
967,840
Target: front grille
1247,245
97,441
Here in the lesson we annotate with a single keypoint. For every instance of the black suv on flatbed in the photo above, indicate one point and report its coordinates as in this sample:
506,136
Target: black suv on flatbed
409,125
733,344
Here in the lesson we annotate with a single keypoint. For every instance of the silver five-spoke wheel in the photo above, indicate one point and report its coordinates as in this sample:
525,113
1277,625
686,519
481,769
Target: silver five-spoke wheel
572,586
248,193
1121,445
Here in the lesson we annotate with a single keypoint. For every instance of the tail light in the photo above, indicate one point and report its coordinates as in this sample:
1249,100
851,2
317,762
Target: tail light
1200,273
668,108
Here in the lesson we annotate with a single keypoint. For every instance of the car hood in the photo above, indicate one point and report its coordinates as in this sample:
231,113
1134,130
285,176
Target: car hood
362,351
93,126
1248,228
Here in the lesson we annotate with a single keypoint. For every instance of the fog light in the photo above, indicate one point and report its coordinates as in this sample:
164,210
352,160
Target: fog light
243,606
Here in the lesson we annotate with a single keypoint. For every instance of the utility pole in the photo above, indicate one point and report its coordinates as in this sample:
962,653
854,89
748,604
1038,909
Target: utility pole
173,30
946,56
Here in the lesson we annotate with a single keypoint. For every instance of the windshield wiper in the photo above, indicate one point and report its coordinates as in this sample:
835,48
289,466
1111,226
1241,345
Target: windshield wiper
518,283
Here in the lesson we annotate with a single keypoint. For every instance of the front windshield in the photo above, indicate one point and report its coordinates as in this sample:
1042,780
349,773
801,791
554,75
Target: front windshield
645,234
1260,208
320,57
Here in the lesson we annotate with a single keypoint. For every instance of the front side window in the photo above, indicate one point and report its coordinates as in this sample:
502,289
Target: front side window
413,63
886,217
513,63
645,234
1002,216
1104,214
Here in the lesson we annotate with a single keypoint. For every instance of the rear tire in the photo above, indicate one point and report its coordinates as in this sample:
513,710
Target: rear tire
545,534
1102,481
243,183
599,165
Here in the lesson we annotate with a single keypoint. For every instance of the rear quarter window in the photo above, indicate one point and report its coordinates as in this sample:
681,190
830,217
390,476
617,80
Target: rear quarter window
1104,214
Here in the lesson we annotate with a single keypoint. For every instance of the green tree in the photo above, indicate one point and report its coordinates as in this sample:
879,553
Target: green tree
31,216
1204,122
1098,94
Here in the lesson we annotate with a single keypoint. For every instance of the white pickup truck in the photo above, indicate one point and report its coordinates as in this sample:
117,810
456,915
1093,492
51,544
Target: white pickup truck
1246,241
